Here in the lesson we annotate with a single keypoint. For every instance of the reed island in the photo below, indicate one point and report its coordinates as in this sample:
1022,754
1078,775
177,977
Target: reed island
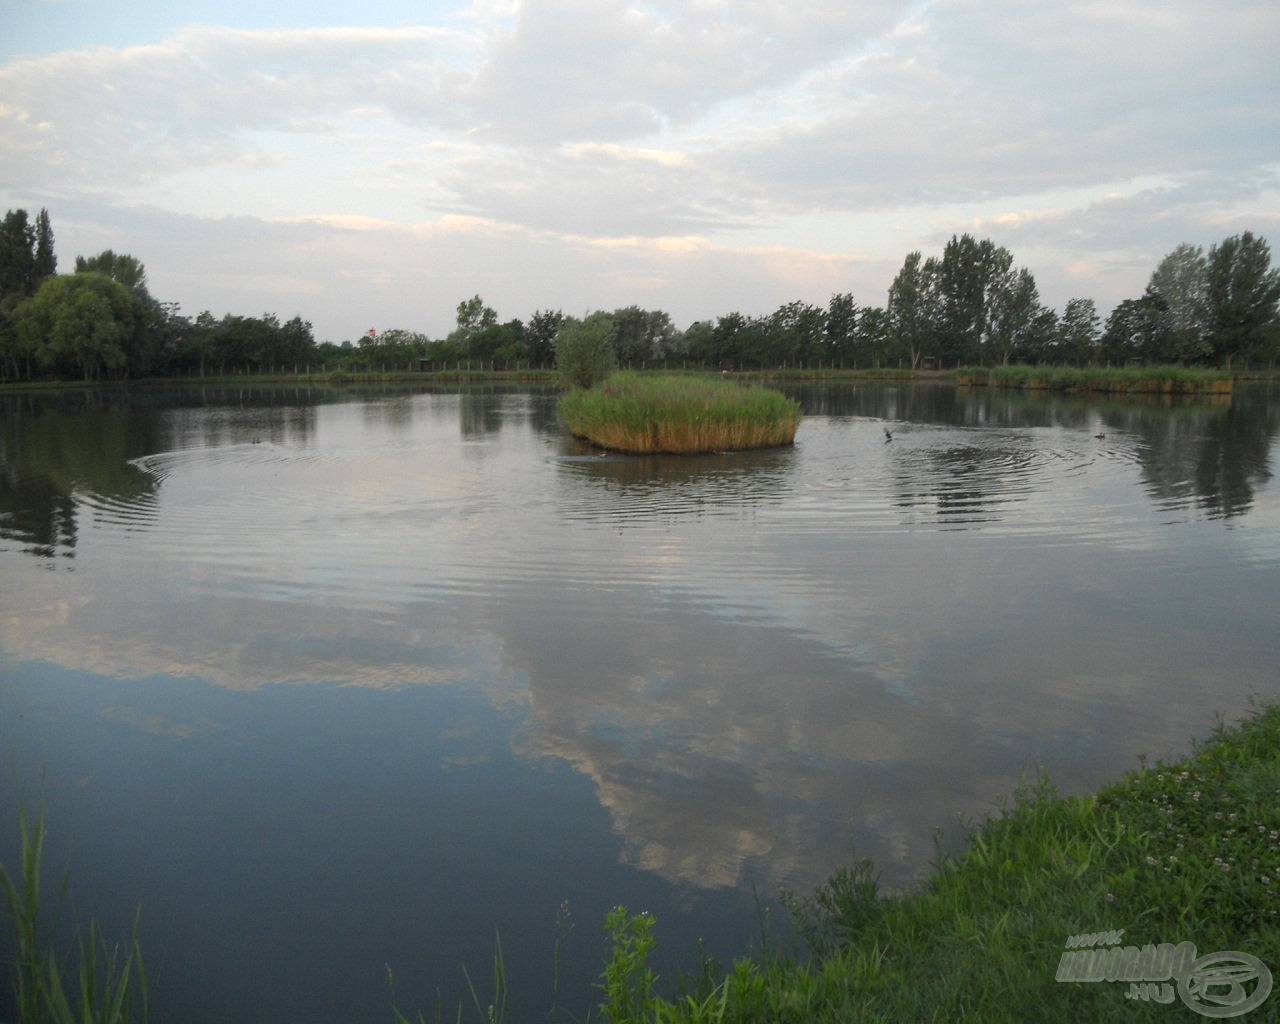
678,414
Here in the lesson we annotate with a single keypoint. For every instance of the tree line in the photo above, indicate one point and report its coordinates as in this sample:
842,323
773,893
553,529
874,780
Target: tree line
970,305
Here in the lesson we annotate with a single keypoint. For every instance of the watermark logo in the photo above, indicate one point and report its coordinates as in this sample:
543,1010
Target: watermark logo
1225,984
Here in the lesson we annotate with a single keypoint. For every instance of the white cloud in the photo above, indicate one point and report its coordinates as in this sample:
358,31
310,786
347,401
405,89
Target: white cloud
749,149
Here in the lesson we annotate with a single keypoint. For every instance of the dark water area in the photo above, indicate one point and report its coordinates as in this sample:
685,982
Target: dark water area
335,682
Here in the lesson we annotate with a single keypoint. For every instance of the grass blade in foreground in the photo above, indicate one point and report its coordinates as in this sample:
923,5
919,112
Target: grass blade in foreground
105,986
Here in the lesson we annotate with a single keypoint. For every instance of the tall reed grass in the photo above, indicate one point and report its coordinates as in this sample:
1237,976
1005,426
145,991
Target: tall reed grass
640,413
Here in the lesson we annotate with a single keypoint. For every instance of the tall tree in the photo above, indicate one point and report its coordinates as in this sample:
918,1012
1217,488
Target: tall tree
873,334
699,341
1079,331
1015,317
17,256
1243,293
46,260
584,350
913,306
1181,283
969,273
631,336
728,346
120,267
842,327
540,336
473,317
498,343
1137,329
82,322
796,332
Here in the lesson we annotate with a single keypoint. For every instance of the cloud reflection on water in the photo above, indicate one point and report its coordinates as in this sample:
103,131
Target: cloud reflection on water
766,665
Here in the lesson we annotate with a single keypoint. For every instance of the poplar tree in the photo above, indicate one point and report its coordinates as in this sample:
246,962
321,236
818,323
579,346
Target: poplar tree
1243,295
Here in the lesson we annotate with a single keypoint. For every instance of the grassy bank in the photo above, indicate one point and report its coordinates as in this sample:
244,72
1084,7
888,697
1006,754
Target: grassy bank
678,413
1166,380
1180,851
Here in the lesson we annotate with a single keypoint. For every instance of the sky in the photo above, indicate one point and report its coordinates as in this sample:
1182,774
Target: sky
373,165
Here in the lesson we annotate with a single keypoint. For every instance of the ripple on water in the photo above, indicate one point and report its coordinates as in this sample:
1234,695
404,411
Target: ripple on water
442,521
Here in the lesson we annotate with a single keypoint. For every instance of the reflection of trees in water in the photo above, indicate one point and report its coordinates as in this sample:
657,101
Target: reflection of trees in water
1207,452
51,450
1209,456
939,404
58,452
621,488
486,410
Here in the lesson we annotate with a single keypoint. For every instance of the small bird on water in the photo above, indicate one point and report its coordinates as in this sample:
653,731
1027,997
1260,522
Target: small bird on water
888,435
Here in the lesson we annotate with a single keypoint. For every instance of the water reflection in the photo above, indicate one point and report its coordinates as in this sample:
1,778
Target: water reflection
622,489
1202,454
1210,463
755,667
747,655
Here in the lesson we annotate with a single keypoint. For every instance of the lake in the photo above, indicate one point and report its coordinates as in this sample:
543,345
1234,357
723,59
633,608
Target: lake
338,685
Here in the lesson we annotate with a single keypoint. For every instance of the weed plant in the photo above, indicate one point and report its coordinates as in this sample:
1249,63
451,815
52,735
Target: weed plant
681,414
98,983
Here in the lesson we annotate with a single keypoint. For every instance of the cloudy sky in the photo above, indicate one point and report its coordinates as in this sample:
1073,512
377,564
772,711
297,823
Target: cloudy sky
371,165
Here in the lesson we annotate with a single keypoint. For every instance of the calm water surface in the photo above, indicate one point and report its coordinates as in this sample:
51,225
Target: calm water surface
330,682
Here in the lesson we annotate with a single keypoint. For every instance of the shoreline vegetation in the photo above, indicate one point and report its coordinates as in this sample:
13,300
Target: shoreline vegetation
1154,380
1165,380
678,415
1058,907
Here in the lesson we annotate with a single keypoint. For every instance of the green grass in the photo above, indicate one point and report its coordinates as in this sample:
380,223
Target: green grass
1166,380
93,982
1181,851
683,414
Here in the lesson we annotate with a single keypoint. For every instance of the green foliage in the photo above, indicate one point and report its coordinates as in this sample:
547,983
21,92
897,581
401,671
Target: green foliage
641,335
494,1009
18,264
828,917
106,984
46,261
120,267
970,304
540,337
473,317
1179,284
628,980
585,355
1177,380
1243,297
1079,331
85,323
634,412
913,309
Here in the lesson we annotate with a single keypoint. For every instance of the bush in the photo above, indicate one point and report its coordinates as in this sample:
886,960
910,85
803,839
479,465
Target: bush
584,351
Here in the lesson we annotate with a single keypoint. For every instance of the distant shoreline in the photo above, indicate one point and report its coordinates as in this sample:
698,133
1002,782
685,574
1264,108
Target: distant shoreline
998,377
